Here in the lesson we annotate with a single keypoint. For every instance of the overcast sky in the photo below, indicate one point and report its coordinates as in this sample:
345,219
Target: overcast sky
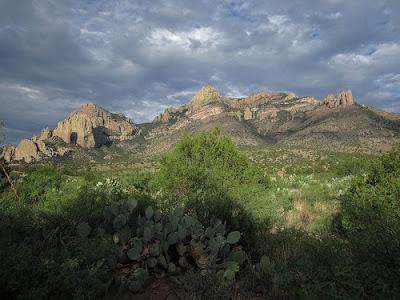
139,57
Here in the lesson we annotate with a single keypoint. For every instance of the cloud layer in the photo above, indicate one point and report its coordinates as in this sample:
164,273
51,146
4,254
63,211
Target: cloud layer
138,57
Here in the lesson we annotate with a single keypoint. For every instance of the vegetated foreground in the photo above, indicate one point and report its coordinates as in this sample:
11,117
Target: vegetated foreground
207,221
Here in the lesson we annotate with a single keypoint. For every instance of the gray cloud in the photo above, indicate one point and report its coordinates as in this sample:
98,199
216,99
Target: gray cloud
138,57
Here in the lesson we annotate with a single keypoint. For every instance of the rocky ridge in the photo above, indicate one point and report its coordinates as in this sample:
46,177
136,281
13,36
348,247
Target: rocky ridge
280,118
258,119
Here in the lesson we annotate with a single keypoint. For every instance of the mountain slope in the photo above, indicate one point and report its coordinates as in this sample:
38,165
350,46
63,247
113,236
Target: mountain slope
264,118
257,120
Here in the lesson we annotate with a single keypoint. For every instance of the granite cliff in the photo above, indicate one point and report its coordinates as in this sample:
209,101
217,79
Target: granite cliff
90,127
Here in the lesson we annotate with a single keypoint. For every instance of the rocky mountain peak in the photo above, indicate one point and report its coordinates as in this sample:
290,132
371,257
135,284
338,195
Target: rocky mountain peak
93,110
207,94
93,126
343,100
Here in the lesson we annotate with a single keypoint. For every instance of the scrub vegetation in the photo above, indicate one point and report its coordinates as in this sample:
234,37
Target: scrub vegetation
207,220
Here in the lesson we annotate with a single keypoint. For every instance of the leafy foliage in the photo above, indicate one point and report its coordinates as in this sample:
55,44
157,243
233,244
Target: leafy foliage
202,165
371,220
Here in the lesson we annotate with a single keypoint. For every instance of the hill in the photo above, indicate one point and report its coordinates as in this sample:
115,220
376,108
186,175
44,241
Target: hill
258,120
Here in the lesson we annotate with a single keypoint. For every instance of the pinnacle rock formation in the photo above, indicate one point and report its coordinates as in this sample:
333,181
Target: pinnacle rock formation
206,95
46,133
92,127
247,115
343,99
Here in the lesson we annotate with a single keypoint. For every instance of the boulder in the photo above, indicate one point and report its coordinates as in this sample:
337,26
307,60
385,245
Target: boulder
31,150
26,150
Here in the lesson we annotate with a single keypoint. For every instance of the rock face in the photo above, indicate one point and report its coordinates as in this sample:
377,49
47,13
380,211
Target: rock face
290,96
46,134
26,150
8,153
206,95
248,114
168,115
29,150
343,99
92,127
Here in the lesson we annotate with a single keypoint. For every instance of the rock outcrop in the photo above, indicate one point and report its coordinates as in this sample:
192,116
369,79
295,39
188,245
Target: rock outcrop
30,150
168,115
206,95
26,150
7,153
248,114
46,134
290,96
92,127
343,99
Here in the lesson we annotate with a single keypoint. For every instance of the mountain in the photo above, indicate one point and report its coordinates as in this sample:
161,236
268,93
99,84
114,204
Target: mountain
336,123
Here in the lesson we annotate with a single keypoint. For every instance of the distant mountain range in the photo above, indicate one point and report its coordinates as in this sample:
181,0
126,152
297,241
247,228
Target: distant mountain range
336,123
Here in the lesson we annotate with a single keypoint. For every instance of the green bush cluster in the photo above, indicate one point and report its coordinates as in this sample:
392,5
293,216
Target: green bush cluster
202,166
371,222
41,259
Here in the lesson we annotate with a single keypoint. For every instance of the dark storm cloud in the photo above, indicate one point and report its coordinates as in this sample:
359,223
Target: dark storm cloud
139,57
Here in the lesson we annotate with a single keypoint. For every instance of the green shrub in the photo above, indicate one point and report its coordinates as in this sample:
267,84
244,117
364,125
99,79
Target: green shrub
203,165
371,221
41,258
37,182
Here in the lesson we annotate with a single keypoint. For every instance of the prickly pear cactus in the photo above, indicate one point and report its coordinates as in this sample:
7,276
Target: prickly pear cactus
164,244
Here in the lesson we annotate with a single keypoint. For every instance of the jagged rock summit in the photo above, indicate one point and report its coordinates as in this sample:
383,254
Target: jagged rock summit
93,126
256,120
206,95
263,118
90,127
343,99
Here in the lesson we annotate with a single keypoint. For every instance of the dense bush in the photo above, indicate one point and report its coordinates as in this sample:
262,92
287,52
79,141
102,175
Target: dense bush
41,258
371,221
36,182
206,174
202,166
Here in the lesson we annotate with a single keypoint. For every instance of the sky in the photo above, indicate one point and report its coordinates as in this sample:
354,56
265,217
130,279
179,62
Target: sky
140,57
